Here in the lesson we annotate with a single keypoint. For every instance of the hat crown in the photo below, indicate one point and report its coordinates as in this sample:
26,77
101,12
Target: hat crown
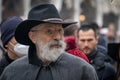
47,10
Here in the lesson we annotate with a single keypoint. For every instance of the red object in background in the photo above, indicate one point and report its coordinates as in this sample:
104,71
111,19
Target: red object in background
72,48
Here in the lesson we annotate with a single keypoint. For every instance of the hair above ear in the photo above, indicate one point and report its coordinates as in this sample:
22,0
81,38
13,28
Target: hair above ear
32,36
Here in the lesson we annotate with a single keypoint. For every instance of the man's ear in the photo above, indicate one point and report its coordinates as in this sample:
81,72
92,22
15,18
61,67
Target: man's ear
32,36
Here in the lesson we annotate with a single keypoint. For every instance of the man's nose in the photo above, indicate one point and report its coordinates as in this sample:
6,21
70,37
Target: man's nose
57,36
86,43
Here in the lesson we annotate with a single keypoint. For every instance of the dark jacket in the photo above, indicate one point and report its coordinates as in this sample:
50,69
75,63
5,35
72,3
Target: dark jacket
67,67
103,50
103,41
104,70
4,62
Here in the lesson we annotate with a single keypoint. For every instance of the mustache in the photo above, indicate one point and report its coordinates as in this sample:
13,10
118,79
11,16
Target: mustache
56,43
86,48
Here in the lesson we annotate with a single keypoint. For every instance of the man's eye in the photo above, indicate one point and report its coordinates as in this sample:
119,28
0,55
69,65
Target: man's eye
82,40
49,31
90,40
60,30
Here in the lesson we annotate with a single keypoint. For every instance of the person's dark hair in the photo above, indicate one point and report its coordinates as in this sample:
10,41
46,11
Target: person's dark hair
87,27
69,31
95,26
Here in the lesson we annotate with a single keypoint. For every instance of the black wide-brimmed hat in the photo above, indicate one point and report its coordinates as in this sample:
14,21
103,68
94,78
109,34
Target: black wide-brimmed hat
37,15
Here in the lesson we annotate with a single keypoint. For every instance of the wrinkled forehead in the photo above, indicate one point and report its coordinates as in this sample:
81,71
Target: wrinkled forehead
47,26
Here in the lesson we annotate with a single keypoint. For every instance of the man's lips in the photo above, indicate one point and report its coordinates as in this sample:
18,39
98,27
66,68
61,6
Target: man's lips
85,50
56,45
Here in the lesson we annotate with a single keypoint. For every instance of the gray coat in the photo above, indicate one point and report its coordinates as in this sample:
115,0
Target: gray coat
67,67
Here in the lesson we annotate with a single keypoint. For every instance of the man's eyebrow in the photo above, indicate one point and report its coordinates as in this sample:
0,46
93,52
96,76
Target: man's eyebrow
86,39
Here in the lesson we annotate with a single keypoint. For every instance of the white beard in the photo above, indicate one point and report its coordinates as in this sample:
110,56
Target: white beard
49,53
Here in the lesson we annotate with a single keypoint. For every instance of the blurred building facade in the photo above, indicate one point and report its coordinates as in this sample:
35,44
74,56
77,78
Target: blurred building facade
83,11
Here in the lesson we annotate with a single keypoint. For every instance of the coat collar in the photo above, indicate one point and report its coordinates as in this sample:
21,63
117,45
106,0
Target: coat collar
32,56
92,54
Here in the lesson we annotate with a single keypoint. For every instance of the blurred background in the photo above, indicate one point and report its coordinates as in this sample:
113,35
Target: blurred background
106,13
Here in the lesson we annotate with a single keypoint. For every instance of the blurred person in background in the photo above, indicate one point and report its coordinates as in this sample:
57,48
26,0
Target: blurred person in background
70,30
71,48
70,39
87,40
111,33
13,50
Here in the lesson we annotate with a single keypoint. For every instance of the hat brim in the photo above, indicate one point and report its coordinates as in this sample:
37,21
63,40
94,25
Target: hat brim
21,33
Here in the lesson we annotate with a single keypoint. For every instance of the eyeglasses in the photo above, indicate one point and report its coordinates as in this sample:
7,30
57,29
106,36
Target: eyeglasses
51,32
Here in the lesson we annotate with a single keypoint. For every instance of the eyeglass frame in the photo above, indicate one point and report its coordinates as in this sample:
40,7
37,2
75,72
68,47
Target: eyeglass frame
50,32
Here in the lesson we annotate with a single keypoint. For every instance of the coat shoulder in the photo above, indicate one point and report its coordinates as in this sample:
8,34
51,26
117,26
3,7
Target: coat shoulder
71,60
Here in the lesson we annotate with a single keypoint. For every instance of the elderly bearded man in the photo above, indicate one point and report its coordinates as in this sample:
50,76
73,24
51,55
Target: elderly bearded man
43,32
